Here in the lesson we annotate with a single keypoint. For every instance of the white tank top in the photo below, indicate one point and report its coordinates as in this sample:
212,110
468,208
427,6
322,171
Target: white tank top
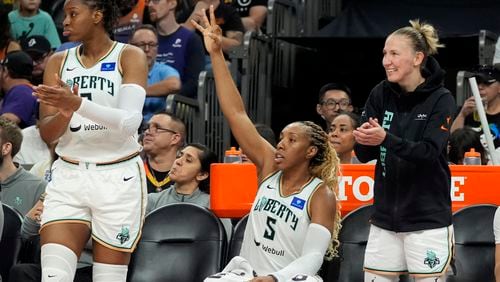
85,140
277,225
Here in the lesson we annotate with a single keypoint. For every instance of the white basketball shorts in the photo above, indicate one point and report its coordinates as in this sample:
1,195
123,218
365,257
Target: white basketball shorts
110,199
418,253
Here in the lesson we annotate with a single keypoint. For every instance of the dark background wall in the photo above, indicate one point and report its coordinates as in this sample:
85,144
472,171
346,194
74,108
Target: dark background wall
349,49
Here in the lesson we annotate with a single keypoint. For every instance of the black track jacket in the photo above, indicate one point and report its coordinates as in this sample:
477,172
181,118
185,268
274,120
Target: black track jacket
412,177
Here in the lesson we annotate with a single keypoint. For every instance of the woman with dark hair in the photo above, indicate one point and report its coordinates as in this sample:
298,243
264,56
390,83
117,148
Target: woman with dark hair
91,102
191,174
7,43
342,137
461,141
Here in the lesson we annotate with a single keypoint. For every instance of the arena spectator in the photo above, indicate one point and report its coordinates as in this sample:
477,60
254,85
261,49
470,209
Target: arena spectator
164,136
341,135
191,174
28,19
488,81
461,141
178,46
18,104
7,43
20,189
38,47
162,79
252,12
333,98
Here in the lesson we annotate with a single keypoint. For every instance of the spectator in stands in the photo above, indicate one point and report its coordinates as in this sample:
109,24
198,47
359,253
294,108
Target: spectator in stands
18,104
28,19
299,178
7,43
342,137
38,47
461,141
226,17
252,12
406,126
333,99
488,81
20,189
162,79
191,174
33,149
164,136
178,46
133,13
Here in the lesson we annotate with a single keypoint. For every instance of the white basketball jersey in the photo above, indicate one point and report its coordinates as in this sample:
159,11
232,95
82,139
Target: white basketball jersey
277,225
85,140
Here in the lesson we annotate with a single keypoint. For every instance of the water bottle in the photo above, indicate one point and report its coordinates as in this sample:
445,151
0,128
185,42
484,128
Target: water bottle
232,156
472,157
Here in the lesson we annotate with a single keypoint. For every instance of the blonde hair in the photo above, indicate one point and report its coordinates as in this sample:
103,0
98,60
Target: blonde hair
423,37
326,166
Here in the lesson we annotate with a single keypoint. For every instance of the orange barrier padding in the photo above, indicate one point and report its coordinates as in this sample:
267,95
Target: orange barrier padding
233,187
470,184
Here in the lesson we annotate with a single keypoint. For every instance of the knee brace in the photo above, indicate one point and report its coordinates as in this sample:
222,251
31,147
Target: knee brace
58,263
109,272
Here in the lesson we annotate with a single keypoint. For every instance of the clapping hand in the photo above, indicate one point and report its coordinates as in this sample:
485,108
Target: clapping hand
212,33
61,96
370,133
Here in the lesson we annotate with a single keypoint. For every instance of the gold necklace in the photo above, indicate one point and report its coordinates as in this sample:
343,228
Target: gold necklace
152,178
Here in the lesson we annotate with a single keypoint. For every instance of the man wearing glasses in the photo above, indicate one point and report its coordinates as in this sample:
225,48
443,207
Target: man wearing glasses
162,79
164,135
38,47
333,99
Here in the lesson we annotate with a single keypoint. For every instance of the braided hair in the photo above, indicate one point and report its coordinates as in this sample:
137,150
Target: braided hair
326,166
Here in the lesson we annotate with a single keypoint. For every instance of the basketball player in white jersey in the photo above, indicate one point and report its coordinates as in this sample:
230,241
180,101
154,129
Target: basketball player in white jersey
91,102
294,219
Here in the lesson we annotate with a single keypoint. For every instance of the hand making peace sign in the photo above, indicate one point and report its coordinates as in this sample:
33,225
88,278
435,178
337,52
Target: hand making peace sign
212,33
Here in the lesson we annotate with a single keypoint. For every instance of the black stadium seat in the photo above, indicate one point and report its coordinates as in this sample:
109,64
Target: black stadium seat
237,238
10,244
180,242
474,244
353,237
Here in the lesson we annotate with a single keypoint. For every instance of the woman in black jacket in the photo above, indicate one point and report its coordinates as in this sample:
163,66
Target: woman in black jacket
405,126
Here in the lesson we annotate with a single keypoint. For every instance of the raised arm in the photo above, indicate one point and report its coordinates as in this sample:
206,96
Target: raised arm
256,148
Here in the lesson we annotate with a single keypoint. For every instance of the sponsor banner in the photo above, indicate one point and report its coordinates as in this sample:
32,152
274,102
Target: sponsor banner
469,185
233,187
